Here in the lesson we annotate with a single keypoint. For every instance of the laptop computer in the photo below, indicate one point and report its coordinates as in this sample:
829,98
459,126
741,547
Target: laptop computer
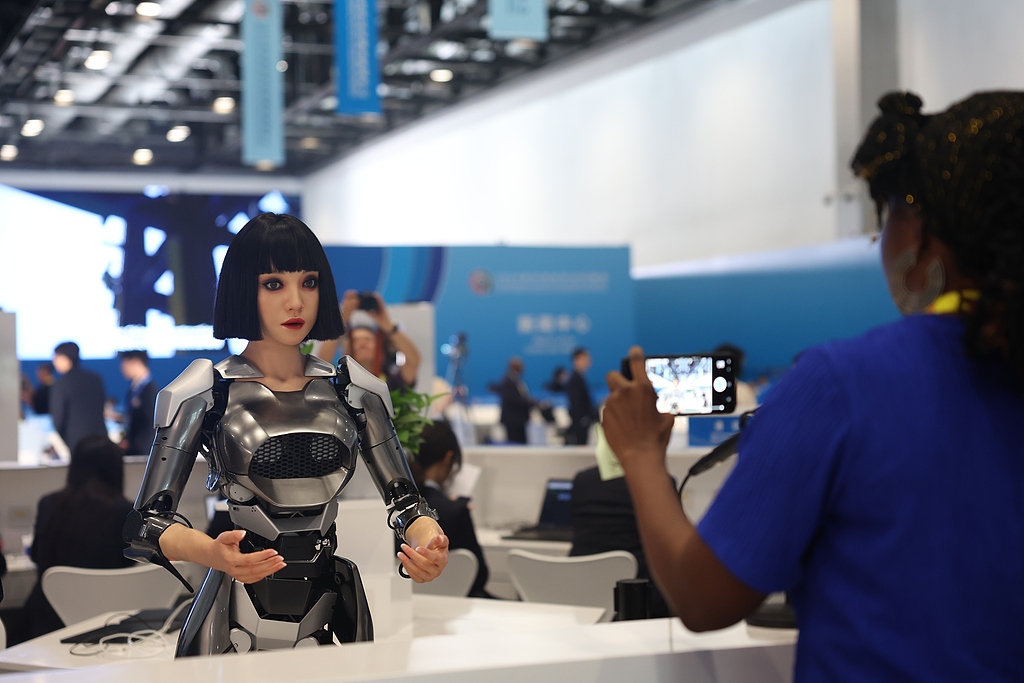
553,523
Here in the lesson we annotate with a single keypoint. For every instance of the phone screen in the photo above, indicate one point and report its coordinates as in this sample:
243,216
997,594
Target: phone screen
691,385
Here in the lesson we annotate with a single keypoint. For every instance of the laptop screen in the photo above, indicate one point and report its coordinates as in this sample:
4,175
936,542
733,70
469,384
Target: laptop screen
555,510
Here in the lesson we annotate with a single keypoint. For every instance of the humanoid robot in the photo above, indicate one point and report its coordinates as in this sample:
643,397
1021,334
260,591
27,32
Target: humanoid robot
281,457
282,460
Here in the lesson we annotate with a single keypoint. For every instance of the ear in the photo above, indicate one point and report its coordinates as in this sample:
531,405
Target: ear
448,457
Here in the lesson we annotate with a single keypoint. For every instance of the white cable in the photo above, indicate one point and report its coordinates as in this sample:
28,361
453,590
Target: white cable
141,644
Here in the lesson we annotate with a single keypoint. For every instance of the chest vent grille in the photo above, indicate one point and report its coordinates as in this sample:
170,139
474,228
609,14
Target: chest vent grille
298,456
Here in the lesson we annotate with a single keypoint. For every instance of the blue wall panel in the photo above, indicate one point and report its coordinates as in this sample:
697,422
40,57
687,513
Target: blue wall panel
771,314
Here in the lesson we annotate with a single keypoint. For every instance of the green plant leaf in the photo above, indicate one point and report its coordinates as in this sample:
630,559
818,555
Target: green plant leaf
411,417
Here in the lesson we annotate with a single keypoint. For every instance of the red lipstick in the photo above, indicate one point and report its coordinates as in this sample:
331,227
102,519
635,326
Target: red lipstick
294,323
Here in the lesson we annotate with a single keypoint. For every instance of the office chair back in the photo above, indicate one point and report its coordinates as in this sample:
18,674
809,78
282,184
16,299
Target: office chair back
456,579
586,580
77,594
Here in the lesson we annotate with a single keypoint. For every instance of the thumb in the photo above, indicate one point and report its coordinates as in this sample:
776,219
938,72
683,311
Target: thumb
231,537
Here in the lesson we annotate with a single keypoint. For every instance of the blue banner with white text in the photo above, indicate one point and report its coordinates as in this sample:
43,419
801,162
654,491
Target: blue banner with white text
512,19
538,303
355,55
262,83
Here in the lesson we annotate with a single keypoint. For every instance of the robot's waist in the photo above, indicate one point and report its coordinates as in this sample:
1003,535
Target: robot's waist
306,554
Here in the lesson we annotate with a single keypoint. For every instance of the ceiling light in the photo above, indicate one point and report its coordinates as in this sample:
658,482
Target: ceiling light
416,67
32,128
282,66
224,105
97,60
264,165
448,49
64,97
178,134
113,8
142,156
441,75
309,143
148,9
8,153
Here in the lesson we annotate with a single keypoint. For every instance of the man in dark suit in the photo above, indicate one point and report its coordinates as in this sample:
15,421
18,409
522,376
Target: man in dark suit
139,403
76,399
582,412
516,402
603,519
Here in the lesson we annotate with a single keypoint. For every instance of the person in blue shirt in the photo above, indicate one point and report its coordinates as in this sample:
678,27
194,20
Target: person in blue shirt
881,484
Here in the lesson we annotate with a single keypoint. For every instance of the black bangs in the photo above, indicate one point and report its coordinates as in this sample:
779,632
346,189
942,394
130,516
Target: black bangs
285,249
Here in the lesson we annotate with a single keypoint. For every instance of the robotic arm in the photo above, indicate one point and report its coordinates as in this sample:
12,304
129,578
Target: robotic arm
370,405
181,408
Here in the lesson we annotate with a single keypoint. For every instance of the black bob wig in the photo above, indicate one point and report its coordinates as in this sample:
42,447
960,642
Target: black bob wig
271,243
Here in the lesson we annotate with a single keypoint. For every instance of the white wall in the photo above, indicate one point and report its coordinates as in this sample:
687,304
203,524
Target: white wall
952,48
708,137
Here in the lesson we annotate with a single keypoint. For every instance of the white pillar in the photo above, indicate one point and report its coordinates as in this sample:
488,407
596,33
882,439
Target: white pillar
10,374
866,65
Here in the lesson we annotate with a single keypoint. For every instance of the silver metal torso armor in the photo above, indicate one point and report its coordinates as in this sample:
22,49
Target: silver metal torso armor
293,450
281,459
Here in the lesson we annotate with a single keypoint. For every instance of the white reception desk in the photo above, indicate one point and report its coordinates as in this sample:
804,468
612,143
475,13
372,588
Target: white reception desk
543,648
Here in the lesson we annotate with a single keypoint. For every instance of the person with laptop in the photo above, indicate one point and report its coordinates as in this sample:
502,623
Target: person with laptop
603,519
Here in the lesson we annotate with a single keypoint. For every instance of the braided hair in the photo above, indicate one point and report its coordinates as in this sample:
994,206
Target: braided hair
963,169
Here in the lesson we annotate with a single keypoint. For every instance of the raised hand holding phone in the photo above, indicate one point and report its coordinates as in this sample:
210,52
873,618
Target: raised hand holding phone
636,432
694,384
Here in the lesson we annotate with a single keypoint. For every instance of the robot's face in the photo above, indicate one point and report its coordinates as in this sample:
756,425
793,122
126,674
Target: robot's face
288,304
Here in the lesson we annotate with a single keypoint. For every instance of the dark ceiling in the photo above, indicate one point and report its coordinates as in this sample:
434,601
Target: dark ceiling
167,71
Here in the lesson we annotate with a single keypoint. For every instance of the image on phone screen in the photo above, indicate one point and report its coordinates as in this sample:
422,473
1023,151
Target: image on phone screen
693,384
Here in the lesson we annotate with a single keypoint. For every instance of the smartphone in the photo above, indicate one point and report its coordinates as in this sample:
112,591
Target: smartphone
368,302
691,385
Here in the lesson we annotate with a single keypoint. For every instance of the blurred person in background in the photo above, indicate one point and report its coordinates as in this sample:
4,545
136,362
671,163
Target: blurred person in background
440,457
139,403
41,394
603,519
374,340
582,411
516,401
77,398
80,525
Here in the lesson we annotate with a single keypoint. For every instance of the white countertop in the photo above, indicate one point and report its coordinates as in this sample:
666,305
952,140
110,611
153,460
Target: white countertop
510,648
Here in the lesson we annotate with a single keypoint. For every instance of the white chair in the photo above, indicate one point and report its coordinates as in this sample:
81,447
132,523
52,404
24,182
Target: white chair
456,579
586,580
77,594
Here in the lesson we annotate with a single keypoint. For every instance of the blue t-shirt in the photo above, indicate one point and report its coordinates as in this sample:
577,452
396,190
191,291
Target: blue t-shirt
882,485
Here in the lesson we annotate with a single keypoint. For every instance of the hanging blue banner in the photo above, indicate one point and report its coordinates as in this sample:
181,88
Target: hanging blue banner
262,83
355,55
518,19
